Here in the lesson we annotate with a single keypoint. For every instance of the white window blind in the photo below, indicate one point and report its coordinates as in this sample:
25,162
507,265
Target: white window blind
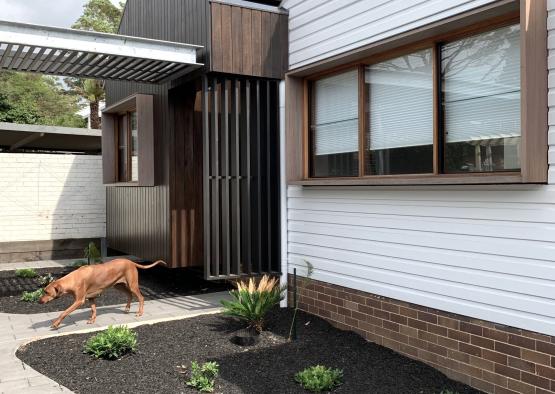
401,102
481,86
335,114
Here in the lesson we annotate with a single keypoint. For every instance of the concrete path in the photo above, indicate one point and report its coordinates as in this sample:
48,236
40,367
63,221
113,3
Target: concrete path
36,264
16,330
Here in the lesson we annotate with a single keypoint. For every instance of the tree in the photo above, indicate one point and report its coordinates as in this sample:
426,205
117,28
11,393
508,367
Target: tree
35,99
101,16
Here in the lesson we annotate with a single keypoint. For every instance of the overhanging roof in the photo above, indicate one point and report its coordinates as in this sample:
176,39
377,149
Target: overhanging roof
16,136
78,53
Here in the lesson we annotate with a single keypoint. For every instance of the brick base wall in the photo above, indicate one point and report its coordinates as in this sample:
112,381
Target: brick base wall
488,356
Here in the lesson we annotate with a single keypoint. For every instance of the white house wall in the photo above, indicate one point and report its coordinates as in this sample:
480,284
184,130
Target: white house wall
48,196
320,29
483,251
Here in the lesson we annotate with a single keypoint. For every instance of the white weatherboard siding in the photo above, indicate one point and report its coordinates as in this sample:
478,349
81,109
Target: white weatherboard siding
47,196
321,29
482,251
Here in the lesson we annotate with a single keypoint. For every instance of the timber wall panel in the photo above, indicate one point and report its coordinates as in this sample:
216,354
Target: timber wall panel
247,41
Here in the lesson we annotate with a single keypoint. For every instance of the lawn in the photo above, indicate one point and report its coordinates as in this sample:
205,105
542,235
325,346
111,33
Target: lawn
267,367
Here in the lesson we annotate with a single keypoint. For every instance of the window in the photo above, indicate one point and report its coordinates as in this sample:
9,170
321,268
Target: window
127,152
450,107
334,125
400,126
481,101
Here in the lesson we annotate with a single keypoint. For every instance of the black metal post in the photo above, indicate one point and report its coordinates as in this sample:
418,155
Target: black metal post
294,333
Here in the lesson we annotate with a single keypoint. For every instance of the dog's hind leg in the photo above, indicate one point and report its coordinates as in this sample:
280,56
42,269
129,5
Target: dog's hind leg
137,292
93,311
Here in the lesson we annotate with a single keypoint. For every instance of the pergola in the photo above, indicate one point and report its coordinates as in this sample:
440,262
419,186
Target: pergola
77,53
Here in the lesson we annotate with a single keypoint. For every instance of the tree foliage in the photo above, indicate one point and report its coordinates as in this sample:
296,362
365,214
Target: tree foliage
35,99
101,16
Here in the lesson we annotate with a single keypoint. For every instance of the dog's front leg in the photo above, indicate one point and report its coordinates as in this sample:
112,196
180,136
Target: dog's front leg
93,311
76,304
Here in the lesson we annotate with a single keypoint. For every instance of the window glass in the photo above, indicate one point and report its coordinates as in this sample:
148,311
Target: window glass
481,101
400,129
122,149
134,147
334,125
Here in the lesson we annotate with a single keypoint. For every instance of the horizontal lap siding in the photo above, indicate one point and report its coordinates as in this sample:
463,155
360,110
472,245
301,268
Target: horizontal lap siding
320,29
488,254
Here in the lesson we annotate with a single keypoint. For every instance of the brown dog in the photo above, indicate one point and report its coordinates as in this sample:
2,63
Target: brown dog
88,282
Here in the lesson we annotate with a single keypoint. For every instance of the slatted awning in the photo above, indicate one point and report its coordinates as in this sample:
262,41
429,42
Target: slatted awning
84,54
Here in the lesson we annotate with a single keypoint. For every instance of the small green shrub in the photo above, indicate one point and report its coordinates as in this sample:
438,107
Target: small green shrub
32,296
251,302
26,273
92,254
112,343
203,376
319,378
45,280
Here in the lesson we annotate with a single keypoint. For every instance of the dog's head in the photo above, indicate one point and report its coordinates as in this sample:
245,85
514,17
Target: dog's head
51,292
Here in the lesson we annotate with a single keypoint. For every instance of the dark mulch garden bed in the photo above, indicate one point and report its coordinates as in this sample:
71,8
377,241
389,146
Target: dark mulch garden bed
268,367
155,283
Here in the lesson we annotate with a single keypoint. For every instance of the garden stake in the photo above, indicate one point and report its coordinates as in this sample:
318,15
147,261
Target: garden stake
294,335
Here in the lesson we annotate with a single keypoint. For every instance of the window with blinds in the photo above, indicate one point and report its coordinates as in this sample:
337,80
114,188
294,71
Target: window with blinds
334,125
400,125
453,107
481,101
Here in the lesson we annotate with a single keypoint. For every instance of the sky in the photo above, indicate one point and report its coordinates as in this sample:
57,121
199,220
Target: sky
61,13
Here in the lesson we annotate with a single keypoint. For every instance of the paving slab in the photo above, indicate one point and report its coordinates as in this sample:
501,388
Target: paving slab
17,330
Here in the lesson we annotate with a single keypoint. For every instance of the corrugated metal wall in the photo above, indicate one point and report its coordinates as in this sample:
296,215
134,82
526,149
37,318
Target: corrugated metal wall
320,29
138,217
483,251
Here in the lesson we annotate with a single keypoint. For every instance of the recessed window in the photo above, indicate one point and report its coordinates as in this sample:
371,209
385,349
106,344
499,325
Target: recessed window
481,101
127,153
451,107
334,125
400,116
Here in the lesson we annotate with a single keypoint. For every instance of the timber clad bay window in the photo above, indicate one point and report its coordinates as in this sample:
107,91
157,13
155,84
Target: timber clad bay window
128,142
465,107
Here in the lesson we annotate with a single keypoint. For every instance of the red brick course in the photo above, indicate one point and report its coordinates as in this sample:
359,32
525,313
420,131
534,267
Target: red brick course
490,357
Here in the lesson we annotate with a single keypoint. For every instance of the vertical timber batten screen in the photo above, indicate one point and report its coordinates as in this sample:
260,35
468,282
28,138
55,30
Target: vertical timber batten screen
240,176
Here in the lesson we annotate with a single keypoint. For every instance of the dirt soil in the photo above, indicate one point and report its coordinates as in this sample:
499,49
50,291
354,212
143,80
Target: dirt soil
266,368
155,283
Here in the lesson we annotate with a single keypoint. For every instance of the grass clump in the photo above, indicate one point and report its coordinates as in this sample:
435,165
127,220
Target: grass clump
26,273
203,376
112,343
32,296
319,378
251,301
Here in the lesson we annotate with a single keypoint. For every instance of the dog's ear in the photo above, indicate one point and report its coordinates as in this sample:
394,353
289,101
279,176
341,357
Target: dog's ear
56,288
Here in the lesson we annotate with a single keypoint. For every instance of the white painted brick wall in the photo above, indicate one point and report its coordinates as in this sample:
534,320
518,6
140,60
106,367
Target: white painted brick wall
46,196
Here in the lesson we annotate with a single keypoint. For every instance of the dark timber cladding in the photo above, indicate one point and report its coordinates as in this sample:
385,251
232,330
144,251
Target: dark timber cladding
248,41
240,177
138,217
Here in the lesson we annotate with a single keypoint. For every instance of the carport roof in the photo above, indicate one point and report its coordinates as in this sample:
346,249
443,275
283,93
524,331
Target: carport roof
15,136
78,53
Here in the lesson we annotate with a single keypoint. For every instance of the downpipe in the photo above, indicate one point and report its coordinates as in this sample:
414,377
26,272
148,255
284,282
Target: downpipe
282,191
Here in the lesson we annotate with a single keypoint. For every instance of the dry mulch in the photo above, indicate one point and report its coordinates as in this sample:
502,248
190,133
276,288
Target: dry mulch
155,283
266,368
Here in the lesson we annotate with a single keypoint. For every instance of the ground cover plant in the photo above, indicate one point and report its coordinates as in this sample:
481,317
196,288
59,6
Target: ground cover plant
203,377
112,343
268,367
319,378
32,296
251,301
92,254
26,273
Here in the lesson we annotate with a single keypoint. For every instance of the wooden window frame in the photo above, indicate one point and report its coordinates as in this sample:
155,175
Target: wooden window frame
128,170
142,105
532,17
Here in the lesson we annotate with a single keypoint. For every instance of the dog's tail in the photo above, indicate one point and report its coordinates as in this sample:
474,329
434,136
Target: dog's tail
144,267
